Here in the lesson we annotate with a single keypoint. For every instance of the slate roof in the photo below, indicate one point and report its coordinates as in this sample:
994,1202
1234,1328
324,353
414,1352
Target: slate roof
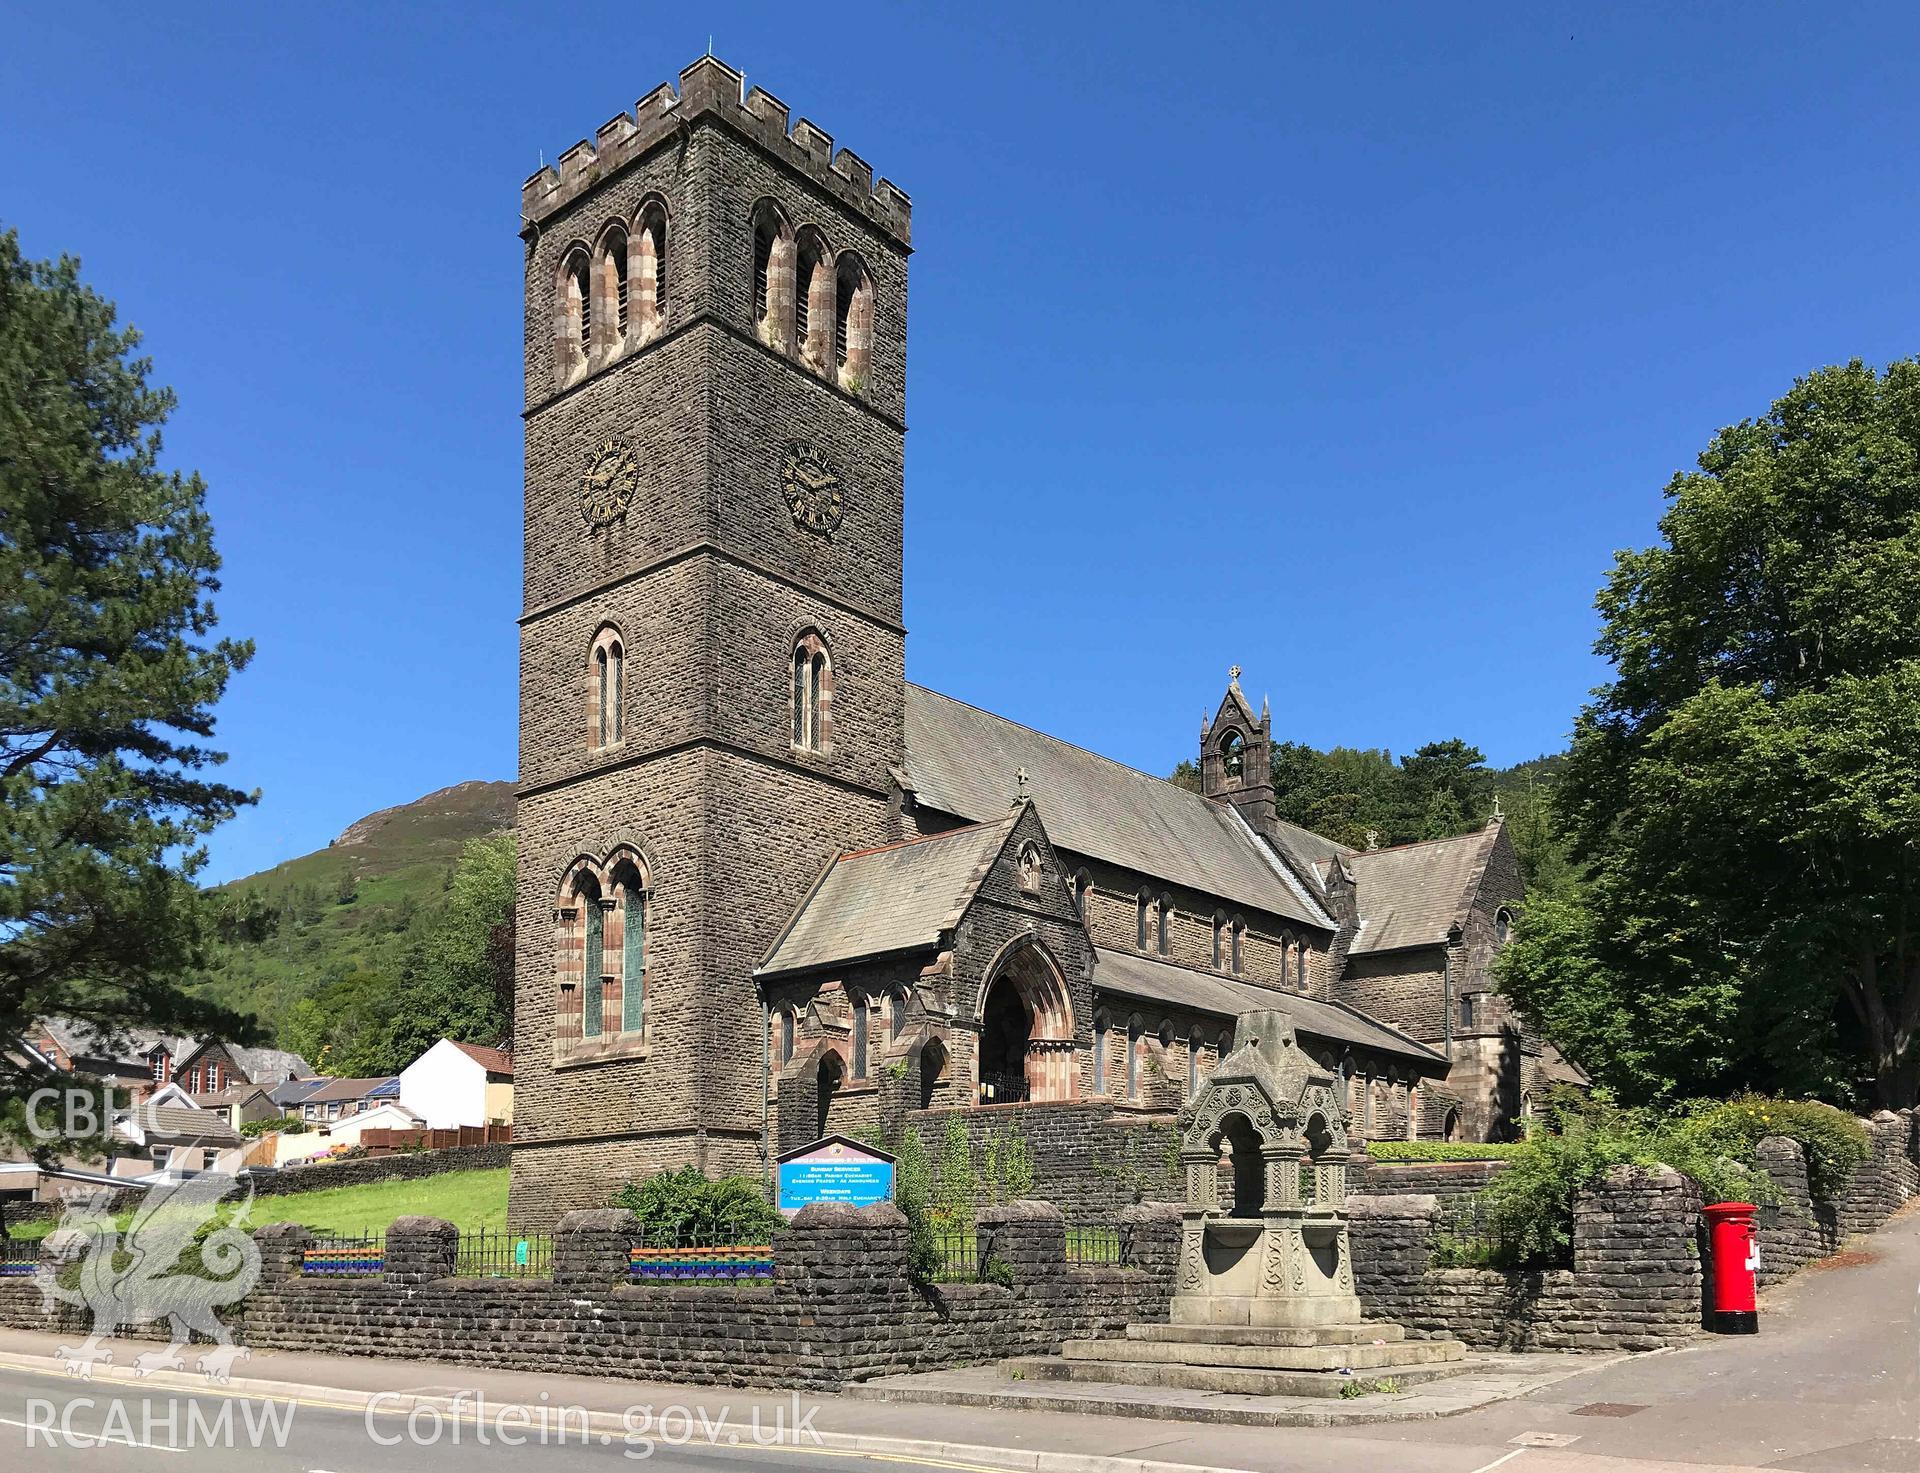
1559,1069
962,760
1307,845
1130,975
261,1065
80,1040
296,1090
270,1065
900,897
344,1089
493,1060
221,1099
1413,894
188,1124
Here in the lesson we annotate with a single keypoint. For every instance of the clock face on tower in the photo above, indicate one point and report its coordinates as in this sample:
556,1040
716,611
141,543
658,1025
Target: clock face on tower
610,484
812,489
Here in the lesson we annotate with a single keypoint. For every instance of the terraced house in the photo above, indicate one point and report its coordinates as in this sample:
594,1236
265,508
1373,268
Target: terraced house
768,887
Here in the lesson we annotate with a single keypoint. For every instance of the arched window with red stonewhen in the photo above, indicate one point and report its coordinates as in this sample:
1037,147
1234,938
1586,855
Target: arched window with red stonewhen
813,300
773,276
812,693
853,323
611,274
648,254
606,690
573,339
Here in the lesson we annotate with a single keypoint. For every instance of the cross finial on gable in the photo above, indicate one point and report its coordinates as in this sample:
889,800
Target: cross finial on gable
1233,675
1020,778
1373,838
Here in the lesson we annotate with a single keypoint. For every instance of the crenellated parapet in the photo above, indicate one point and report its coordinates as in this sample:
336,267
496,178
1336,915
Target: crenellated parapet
710,86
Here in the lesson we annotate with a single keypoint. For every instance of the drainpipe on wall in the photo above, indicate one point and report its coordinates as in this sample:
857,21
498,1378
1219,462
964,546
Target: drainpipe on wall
766,1094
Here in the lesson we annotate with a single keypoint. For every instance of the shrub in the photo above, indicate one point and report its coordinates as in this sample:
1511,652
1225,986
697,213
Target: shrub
913,1195
956,1189
1444,1150
1017,1161
1524,1217
285,1124
1834,1142
685,1207
1527,1210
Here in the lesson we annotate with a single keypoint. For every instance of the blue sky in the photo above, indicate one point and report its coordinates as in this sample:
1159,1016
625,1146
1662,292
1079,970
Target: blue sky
1342,342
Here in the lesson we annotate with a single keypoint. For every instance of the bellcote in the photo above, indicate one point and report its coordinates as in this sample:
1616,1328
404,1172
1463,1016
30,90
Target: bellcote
1236,757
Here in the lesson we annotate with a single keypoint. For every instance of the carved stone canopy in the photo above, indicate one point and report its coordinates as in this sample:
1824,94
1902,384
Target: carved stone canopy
1272,1083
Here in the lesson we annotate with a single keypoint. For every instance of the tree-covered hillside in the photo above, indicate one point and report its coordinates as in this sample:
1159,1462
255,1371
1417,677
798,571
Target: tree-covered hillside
320,948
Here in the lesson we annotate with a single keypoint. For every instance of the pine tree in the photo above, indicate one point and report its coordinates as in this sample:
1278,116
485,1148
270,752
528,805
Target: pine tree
108,678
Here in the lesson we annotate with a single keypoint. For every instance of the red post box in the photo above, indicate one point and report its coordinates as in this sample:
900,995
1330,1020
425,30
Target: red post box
1735,1252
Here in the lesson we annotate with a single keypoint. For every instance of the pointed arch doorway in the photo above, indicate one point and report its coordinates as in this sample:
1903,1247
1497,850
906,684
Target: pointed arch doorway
1026,1029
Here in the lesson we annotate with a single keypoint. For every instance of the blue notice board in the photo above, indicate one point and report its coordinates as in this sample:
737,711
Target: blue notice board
834,1170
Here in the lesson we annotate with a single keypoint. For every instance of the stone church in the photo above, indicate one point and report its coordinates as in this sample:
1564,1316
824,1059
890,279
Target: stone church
768,887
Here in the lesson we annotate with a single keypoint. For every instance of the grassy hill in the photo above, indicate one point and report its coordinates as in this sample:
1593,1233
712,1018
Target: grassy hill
355,905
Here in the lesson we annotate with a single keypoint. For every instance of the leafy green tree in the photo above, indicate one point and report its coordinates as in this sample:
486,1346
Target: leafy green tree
1347,793
1446,790
1745,793
459,979
108,678
1526,795
346,1029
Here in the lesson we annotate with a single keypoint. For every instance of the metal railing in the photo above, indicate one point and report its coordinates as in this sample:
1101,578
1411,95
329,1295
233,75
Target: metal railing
337,1257
1095,1243
1004,1089
731,1263
1467,1235
493,1255
959,1254
691,1258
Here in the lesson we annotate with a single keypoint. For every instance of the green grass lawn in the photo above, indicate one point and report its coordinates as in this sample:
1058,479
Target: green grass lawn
467,1199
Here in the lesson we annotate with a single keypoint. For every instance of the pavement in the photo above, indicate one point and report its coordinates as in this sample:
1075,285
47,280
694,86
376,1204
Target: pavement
1830,1385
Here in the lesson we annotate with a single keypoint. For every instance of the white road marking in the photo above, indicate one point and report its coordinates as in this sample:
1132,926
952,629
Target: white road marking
1503,1458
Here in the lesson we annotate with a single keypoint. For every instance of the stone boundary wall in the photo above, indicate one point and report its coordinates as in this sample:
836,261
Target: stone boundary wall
1634,1284
1090,1158
1638,1267
1802,1228
1434,1178
839,1309
402,1166
1093,1157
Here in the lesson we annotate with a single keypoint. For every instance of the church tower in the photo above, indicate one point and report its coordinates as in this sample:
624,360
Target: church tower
712,664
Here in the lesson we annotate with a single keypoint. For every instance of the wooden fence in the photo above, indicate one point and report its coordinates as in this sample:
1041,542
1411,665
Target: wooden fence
381,1141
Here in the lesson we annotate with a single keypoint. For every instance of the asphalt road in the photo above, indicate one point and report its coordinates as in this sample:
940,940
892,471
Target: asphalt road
49,1422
